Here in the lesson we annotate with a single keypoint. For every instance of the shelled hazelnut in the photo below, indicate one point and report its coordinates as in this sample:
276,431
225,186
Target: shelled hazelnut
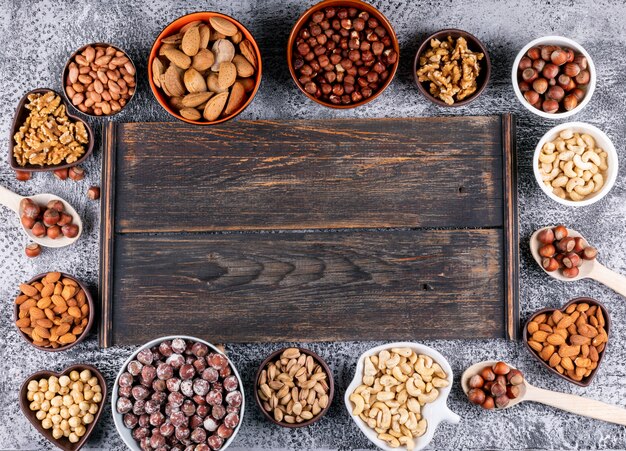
495,386
552,78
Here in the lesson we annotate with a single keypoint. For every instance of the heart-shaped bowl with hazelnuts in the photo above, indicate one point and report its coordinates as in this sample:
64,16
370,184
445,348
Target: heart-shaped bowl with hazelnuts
553,77
570,342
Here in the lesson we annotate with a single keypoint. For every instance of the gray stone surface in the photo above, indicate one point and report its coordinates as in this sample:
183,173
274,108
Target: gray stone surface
36,39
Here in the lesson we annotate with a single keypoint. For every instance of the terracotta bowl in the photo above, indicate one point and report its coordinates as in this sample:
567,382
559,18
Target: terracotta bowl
473,44
80,338
173,28
66,71
63,442
21,113
331,388
361,5
587,380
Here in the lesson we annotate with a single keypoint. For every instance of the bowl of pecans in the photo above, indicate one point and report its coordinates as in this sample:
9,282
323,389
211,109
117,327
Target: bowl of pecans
451,68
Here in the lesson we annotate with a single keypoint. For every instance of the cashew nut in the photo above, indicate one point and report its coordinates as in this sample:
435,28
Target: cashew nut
385,396
560,181
599,181
403,396
429,397
603,164
393,361
573,183
594,157
404,352
548,148
390,439
568,133
408,442
575,196
551,175
439,382
560,145
421,428
369,368
546,168
560,192
411,388
588,139
398,375
587,176
585,190
578,150
382,359
439,372
580,164
359,403
388,380
566,156
414,406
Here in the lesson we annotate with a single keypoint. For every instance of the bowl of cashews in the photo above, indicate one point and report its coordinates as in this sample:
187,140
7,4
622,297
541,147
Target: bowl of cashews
575,164
398,395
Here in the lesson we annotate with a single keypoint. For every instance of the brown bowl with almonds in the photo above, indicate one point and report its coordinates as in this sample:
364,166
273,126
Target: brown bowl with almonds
53,311
294,387
205,68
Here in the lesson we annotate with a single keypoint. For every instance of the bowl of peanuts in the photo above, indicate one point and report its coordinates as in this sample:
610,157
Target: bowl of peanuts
99,79
575,164
53,311
399,395
64,407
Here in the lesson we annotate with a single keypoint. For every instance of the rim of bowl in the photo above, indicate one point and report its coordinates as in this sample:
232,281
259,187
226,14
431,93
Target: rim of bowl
117,417
174,27
611,160
455,33
66,69
18,120
556,40
359,4
81,337
418,347
24,404
331,387
607,319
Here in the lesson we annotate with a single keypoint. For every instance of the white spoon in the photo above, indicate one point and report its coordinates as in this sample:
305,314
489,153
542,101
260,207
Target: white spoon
590,269
12,200
570,403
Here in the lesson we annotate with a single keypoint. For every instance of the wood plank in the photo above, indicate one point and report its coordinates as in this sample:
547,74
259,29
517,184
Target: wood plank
325,286
265,175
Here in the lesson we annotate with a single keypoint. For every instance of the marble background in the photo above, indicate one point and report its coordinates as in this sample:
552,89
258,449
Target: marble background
38,36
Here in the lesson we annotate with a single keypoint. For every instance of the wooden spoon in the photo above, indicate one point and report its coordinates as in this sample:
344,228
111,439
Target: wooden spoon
12,200
590,269
570,403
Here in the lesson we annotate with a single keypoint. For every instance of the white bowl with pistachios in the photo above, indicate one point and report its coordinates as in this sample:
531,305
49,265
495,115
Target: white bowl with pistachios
399,395
575,164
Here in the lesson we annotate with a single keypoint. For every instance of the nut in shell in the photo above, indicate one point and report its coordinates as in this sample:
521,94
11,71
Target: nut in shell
172,82
191,41
247,50
215,106
224,51
194,81
223,26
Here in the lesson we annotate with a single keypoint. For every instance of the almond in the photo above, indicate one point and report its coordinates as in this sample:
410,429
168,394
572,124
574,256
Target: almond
191,41
248,84
565,322
215,106
236,100
67,339
28,290
194,81
23,322
224,26
178,58
247,50
535,345
532,327
75,312
172,81
243,66
205,36
540,336
196,99
579,340
227,75
190,113
547,352
555,339
42,332
211,82
203,60
174,39
157,71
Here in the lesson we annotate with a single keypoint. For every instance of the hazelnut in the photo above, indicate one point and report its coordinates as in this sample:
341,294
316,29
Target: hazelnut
61,174
546,51
579,94
70,230
487,374
580,245
538,65
498,389
550,71
53,232
93,193
525,63
39,230
547,250
546,236
558,57
590,253
560,232
570,102
29,208
540,85
570,272
476,381
564,81
32,250
76,173
534,53
22,176
550,264
27,222
501,369
566,244
529,75
512,391
524,86
65,219
56,205
556,93
571,69
489,403
583,77
515,377
550,106
571,260
531,96
502,401
476,396
51,216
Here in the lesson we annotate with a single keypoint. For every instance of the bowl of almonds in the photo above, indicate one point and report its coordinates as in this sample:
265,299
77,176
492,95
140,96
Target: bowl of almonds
294,387
205,68
53,311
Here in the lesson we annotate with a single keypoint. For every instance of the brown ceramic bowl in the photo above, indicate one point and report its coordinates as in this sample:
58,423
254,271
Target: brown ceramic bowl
587,380
473,44
361,5
331,388
21,113
63,442
80,338
173,28
66,71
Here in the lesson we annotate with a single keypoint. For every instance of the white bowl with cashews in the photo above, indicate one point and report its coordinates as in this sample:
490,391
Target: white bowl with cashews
575,164
401,388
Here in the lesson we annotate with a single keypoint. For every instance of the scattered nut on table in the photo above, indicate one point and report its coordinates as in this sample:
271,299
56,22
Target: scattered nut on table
66,404
572,165
397,383
48,136
294,388
451,68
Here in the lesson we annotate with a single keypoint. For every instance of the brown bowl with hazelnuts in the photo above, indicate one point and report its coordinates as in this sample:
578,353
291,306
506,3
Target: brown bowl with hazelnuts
342,53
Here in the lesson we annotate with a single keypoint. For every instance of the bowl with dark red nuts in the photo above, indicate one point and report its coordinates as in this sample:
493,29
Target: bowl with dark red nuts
178,392
294,387
553,77
99,79
451,67
342,53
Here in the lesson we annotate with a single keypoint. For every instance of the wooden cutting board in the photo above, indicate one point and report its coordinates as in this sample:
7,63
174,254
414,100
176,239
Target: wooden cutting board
310,230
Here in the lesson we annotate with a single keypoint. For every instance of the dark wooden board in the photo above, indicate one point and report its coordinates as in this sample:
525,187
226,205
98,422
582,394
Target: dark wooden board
200,230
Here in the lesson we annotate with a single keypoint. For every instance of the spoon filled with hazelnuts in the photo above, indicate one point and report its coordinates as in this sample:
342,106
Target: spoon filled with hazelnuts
497,385
47,219
566,255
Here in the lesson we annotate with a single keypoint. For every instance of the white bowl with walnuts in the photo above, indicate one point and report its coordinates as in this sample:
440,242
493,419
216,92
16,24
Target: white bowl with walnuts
575,164
398,395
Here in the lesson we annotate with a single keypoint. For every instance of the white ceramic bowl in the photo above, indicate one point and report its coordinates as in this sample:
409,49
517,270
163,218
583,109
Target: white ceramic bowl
563,42
434,413
125,433
602,141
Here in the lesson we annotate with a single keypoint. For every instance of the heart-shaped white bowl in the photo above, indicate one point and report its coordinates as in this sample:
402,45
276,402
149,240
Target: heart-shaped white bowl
434,413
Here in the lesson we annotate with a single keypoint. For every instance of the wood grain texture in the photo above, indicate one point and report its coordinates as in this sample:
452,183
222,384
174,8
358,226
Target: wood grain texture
310,286
425,172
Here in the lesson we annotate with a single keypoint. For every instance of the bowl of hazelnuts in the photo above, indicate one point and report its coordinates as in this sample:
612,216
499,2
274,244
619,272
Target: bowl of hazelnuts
553,77
342,53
